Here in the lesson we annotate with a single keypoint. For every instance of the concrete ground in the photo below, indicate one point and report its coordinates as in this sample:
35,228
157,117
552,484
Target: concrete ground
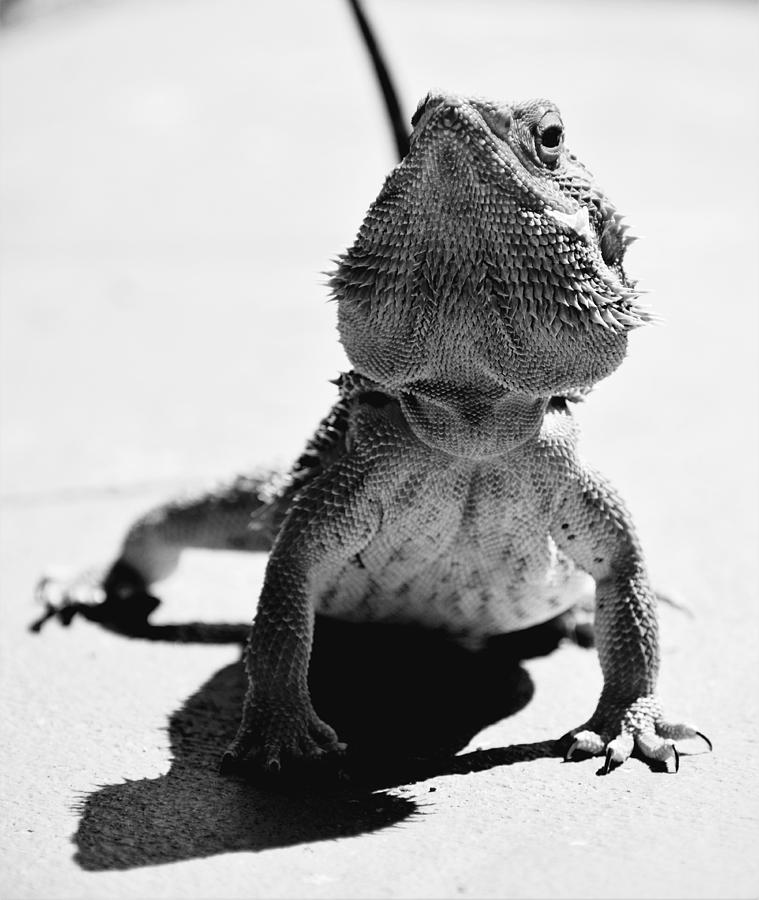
175,177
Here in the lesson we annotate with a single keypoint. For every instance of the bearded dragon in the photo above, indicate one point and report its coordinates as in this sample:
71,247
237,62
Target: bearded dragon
484,292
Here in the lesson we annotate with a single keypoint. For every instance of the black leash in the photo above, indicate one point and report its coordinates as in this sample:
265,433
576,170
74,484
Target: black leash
389,94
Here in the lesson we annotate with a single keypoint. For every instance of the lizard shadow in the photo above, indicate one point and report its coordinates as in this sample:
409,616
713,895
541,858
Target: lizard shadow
406,701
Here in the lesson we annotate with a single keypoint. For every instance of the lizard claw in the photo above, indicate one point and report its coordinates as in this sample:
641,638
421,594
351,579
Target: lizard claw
272,734
227,763
573,748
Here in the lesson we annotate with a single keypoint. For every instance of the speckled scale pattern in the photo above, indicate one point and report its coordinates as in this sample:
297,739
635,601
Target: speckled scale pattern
463,545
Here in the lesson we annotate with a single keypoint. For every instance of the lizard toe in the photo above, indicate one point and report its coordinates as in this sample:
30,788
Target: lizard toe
587,742
659,749
228,763
687,738
270,759
324,736
618,751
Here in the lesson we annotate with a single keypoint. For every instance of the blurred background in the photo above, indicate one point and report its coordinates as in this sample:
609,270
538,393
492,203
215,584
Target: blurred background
175,178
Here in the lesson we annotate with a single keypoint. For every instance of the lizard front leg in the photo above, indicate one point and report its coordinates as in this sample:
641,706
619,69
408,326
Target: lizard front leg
331,521
278,719
592,526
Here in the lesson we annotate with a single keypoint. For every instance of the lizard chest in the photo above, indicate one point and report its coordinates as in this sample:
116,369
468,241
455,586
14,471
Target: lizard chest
464,548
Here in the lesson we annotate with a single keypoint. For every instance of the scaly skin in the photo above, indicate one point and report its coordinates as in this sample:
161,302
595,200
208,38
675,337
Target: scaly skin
485,288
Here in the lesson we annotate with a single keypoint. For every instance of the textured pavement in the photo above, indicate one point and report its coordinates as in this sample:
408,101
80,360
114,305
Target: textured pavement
174,178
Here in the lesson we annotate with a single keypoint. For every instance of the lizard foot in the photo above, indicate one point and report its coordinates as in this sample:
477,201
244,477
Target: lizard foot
118,599
617,728
271,733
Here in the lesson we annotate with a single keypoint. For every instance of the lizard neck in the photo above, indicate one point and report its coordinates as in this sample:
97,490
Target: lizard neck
469,423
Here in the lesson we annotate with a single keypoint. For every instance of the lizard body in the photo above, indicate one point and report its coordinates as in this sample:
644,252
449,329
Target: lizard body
456,543
484,290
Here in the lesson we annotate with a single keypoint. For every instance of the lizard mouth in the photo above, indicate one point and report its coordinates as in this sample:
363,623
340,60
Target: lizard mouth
612,234
604,290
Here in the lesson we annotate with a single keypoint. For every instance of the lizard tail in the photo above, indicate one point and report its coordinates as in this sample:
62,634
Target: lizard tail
389,94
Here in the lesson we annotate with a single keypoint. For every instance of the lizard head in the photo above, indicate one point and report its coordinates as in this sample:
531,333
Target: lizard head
490,261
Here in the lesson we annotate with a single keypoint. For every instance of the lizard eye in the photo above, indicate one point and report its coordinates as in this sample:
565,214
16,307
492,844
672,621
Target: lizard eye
549,138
